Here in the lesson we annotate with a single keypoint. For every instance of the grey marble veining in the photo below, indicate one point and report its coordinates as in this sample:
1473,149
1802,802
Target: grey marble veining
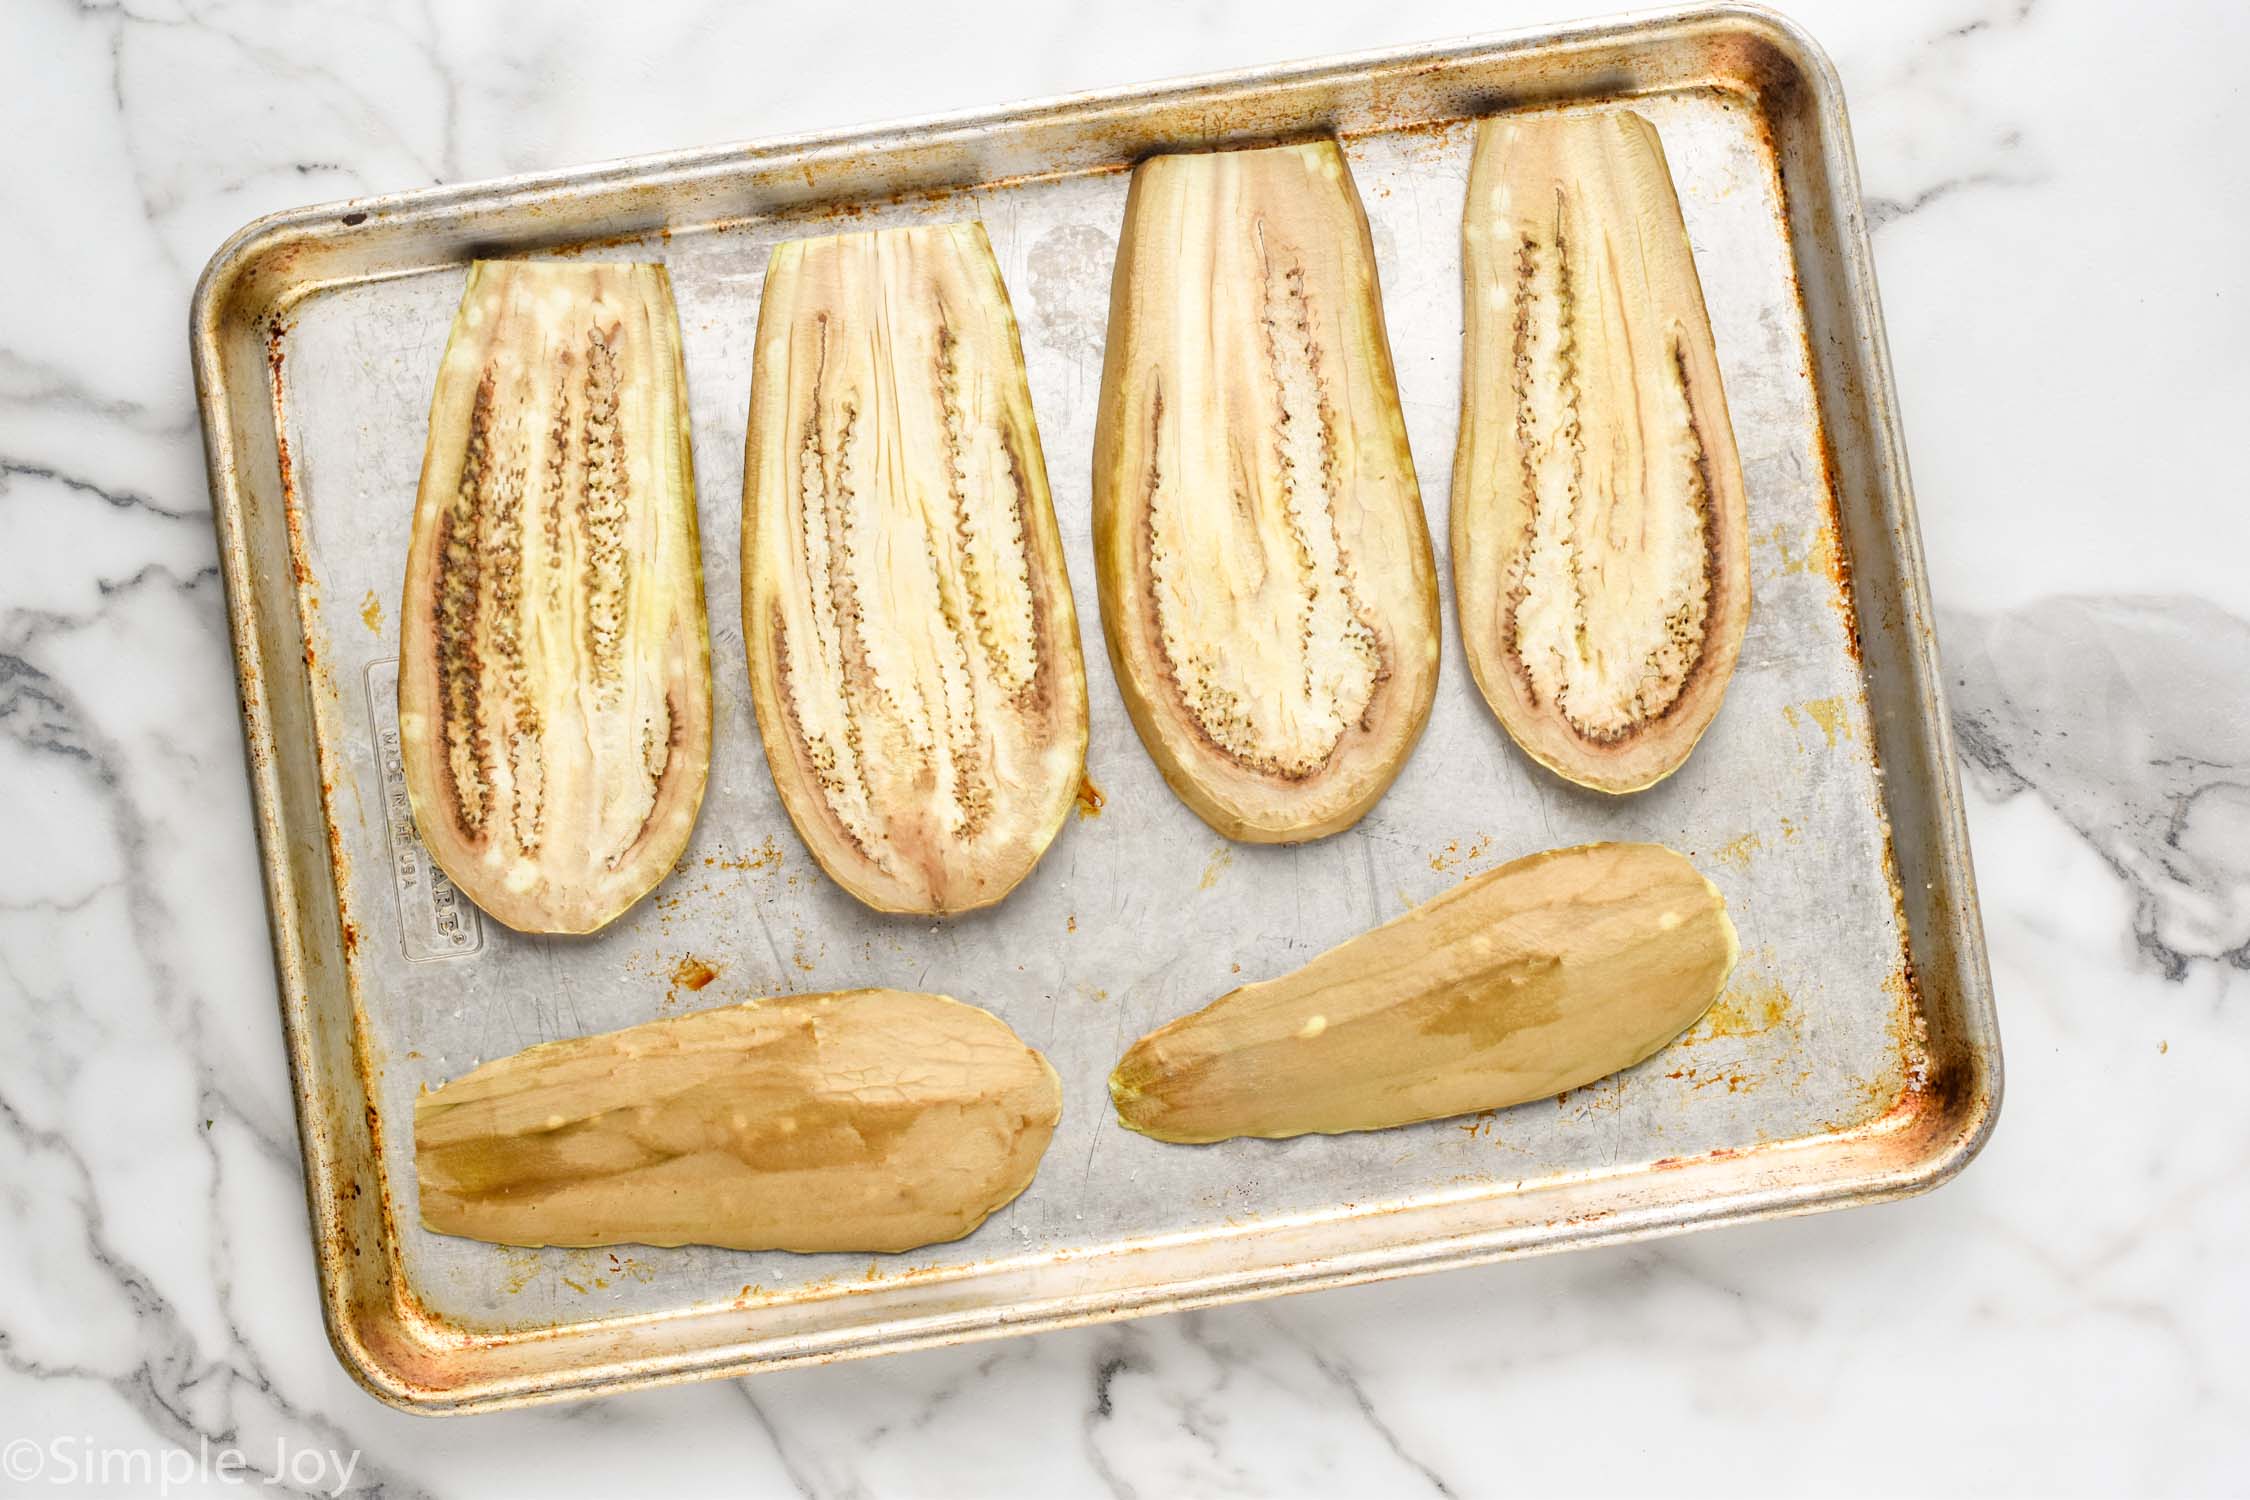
2130,717
2059,226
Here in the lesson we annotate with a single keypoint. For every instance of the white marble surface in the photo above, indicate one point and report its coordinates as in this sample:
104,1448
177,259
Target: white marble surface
2062,201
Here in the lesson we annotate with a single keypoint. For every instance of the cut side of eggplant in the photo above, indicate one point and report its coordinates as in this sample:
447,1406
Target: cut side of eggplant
1600,546
1540,976
554,683
912,642
1267,588
872,1120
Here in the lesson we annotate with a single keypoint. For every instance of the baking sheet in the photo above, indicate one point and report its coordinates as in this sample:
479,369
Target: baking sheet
1139,912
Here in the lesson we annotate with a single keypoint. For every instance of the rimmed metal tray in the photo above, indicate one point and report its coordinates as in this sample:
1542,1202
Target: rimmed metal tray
1853,1058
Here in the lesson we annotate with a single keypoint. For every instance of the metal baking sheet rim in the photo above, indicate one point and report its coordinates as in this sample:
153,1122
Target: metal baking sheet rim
387,1342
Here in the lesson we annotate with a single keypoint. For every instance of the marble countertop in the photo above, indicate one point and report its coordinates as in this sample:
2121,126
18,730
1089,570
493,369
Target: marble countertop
2060,205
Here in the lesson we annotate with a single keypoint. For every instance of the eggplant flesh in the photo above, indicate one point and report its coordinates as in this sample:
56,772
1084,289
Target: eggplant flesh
912,643
554,681
1266,582
1600,545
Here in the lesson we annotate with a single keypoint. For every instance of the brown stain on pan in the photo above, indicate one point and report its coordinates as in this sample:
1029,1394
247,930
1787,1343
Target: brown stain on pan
691,974
1909,1031
1455,854
1830,554
1090,800
1832,557
1830,716
337,1122
1736,853
1752,1006
766,856
300,568
1715,1154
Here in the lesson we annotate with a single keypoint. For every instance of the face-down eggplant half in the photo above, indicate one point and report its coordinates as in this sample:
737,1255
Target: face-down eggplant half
1542,975
872,1120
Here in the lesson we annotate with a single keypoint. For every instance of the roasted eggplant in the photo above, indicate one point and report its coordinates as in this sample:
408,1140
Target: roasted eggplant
1540,976
873,1120
1600,547
554,694
1267,589
913,646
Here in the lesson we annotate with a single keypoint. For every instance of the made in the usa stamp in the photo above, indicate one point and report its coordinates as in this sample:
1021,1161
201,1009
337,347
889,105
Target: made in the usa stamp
435,919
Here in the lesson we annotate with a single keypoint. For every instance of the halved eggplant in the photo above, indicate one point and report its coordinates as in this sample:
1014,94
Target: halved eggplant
554,689
913,646
1266,582
1540,976
1600,549
872,1120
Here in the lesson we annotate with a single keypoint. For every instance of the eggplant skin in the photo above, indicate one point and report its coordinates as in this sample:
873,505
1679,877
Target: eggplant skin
913,647
554,690
1267,589
1540,976
869,1120
1600,539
